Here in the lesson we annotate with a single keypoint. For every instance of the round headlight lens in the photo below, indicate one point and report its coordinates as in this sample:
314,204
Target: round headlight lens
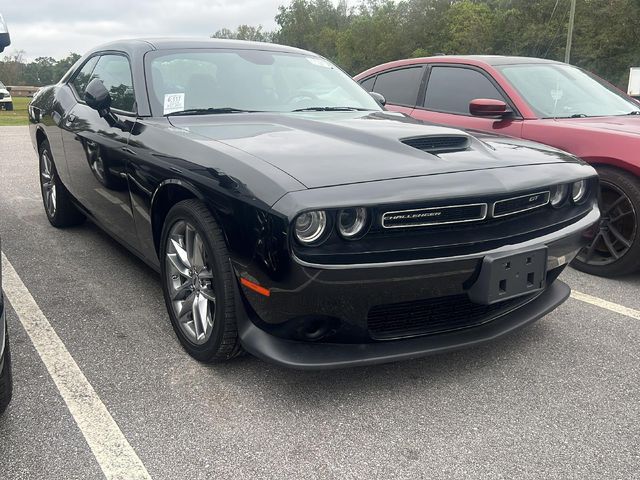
352,222
579,191
559,195
310,226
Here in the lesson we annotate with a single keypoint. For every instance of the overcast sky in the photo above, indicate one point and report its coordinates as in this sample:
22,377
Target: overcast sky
57,27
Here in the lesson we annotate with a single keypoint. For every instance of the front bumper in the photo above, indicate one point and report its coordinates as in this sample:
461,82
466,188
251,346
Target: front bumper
316,356
347,294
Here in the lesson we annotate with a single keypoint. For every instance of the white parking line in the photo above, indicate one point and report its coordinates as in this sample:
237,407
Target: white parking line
111,449
599,302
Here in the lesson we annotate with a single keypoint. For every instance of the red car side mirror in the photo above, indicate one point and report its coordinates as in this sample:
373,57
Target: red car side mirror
488,107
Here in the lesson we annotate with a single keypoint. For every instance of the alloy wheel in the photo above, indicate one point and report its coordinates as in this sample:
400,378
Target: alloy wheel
190,282
47,179
612,238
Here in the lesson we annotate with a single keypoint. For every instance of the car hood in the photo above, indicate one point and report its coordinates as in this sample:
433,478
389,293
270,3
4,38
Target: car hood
622,124
324,148
5,92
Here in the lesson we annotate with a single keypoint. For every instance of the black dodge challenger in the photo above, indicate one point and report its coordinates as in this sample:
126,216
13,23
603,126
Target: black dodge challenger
291,216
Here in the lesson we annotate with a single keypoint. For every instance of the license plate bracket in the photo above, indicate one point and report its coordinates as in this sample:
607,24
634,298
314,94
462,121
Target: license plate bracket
504,276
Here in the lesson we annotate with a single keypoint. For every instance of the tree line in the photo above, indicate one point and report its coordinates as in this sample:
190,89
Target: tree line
606,34
14,70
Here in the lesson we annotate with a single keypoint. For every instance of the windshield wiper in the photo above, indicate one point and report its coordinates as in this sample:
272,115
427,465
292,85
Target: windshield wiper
635,112
332,109
578,115
208,111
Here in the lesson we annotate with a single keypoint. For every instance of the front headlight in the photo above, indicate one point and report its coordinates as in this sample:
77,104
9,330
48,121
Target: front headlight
310,226
579,191
559,195
352,222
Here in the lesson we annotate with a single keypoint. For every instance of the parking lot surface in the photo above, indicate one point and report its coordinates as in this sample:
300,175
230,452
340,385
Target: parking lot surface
559,399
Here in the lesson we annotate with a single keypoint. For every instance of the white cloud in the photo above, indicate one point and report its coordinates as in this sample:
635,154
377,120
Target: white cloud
56,28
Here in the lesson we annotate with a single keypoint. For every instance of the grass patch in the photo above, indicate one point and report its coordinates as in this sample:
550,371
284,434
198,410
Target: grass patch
18,116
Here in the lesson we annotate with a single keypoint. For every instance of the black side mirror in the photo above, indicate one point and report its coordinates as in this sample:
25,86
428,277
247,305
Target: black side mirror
5,40
97,96
378,98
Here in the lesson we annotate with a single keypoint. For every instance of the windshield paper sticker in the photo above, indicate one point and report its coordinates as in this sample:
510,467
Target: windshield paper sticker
173,102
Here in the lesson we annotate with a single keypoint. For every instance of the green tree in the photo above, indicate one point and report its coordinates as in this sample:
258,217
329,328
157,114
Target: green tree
470,28
245,32
312,25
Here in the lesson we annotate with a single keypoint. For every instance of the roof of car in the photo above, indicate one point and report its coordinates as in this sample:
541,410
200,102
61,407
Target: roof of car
176,43
477,60
495,59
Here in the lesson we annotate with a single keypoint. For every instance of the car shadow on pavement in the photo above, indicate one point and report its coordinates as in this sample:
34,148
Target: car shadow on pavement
461,367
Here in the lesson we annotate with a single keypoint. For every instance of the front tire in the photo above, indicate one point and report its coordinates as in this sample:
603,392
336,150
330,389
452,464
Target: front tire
58,205
614,245
198,283
6,382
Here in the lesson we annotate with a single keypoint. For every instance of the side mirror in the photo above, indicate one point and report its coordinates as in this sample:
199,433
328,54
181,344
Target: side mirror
378,98
97,96
5,40
488,107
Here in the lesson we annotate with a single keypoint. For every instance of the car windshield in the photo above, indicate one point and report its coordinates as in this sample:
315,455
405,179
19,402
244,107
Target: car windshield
563,91
2,85
200,81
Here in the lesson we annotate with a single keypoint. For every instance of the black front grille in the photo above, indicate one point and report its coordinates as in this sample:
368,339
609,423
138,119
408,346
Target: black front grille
438,144
519,204
434,216
435,315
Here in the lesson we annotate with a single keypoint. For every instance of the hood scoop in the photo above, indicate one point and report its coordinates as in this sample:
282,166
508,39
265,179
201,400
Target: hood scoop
439,143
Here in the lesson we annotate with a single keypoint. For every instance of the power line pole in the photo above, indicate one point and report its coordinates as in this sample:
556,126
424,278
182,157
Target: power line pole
572,17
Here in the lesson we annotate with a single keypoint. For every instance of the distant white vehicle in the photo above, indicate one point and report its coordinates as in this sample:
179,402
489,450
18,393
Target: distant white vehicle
634,82
5,40
6,101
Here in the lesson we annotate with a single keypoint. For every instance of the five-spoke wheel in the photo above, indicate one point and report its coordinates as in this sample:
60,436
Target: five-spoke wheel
190,282
58,204
197,282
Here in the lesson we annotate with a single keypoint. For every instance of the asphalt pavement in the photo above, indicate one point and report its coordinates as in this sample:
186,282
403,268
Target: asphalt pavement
557,400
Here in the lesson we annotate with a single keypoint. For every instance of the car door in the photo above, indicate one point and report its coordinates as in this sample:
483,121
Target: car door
450,89
97,153
400,87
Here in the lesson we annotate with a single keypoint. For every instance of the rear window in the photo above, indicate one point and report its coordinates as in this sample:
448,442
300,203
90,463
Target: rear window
400,87
368,84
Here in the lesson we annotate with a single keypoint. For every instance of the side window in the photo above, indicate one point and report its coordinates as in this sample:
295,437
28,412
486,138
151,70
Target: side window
451,89
82,78
400,87
368,83
115,73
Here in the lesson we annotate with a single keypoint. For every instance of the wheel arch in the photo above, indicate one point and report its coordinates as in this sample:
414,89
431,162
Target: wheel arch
169,193
616,164
41,136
